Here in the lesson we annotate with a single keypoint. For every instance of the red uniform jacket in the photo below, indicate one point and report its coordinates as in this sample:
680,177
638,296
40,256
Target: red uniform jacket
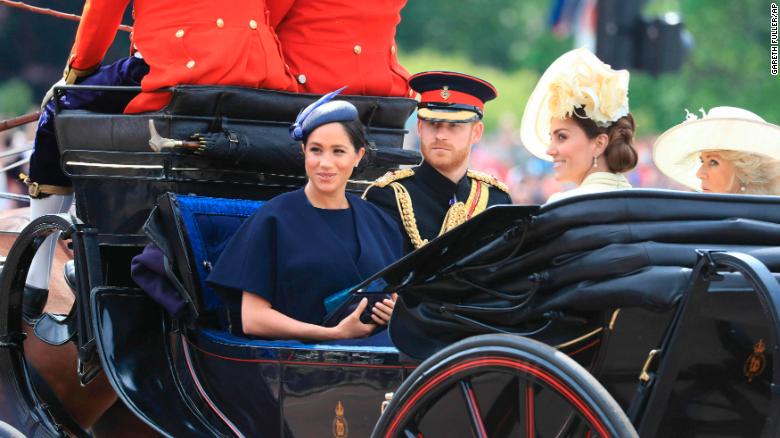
331,43
227,42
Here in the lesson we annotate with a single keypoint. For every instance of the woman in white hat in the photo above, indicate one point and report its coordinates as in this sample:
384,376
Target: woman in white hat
577,117
728,150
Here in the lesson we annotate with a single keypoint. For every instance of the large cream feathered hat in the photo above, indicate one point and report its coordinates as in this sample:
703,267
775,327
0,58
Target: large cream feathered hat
576,79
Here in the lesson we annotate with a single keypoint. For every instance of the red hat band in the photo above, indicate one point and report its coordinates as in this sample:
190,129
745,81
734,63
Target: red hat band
445,95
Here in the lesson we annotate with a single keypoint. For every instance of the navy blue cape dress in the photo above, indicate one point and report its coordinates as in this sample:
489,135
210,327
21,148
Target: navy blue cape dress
290,255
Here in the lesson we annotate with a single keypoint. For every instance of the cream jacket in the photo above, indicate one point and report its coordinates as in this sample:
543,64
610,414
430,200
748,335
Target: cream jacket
594,183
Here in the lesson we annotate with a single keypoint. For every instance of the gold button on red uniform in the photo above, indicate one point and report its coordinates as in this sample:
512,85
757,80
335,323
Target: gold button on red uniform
347,42
160,29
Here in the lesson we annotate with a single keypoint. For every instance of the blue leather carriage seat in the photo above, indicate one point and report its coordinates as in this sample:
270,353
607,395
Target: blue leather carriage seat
208,225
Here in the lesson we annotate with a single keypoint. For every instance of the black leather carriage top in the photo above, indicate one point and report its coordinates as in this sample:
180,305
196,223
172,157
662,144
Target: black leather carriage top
262,114
512,266
117,177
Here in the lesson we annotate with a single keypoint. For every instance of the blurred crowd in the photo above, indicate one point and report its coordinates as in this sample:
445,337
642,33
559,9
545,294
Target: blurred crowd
15,139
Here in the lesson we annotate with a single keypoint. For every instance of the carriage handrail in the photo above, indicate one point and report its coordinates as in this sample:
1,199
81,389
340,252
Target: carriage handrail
656,390
15,164
18,163
15,122
15,197
53,13
128,88
15,151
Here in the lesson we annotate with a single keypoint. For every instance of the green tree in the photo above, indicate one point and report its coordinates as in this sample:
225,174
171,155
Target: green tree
729,64
16,97
507,34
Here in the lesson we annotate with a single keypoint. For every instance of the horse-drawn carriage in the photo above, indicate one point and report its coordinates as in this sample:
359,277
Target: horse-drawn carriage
605,315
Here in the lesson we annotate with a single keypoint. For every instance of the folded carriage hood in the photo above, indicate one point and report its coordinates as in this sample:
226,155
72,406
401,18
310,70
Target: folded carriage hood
516,265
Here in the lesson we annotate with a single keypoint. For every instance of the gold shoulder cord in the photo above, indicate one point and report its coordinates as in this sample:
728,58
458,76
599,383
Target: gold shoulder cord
404,202
457,214
476,203
487,178
388,178
460,212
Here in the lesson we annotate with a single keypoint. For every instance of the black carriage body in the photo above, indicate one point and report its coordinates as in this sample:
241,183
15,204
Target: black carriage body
609,322
207,382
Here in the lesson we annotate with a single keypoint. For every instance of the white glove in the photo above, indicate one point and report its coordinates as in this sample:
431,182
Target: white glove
50,94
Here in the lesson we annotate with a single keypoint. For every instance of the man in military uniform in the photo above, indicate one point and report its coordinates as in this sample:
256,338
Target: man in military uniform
442,192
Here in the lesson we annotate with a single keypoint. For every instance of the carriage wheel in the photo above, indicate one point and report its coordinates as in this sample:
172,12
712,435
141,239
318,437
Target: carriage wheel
502,385
21,400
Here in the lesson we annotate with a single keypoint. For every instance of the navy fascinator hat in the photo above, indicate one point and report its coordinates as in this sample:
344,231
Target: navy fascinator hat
325,110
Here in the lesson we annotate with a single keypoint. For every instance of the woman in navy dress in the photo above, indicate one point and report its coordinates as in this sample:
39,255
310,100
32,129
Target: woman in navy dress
303,246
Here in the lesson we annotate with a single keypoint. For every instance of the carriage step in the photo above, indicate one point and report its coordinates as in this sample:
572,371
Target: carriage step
55,329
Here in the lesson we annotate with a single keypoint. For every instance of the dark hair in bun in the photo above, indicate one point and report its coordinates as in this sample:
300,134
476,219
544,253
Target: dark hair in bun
620,153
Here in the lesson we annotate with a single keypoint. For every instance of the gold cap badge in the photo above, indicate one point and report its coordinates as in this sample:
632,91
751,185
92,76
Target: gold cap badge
445,92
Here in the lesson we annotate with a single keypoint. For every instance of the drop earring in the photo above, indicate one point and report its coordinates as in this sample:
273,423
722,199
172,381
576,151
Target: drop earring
595,161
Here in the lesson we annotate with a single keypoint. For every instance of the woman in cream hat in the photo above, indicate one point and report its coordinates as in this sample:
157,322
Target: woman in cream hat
728,150
577,117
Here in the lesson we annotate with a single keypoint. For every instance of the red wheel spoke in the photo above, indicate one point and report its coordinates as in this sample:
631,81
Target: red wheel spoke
528,395
471,403
433,399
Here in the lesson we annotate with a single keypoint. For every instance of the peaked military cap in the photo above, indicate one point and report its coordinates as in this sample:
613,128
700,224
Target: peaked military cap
451,97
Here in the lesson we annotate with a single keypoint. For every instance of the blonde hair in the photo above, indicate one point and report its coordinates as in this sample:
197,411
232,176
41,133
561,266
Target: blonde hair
757,174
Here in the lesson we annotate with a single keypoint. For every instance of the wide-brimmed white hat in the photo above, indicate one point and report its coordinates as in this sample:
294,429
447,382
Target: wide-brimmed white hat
576,79
676,151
